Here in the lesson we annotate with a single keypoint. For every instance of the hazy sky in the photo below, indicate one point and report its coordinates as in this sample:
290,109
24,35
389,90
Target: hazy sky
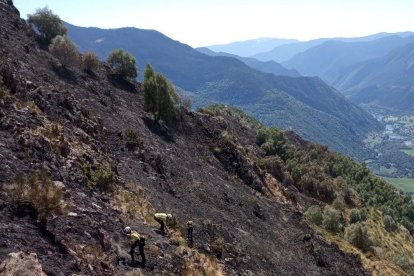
207,22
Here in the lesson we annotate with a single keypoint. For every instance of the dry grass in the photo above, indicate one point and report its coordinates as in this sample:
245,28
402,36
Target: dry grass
134,204
200,264
135,272
39,191
91,254
195,263
52,131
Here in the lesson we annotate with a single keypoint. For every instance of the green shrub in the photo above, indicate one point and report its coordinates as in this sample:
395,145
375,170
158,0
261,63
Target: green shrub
408,225
331,219
123,63
228,137
274,165
325,190
339,203
403,261
389,223
65,51
90,62
314,214
47,24
160,97
357,215
357,235
133,139
99,177
40,192
272,141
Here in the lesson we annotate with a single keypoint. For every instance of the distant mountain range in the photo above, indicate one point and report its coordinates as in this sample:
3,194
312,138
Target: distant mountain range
250,47
285,52
306,105
330,59
263,66
386,82
375,73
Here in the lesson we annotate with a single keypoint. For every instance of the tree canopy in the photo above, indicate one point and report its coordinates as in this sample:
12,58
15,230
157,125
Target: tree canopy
47,24
123,63
160,96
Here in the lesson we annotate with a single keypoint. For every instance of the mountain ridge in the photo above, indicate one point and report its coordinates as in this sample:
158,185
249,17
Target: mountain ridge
227,80
385,82
329,58
266,67
285,52
250,47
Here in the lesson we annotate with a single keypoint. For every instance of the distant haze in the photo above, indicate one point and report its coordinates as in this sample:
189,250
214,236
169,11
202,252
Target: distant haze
201,23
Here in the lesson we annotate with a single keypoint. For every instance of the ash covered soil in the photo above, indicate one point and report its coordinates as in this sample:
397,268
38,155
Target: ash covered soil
240,224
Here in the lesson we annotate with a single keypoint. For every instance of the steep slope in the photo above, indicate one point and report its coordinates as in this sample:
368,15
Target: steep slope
279,101
286,52
271,67
250,47
328,59
385,82
89,137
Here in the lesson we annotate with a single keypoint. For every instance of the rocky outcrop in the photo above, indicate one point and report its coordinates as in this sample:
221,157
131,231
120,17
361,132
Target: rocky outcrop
21,264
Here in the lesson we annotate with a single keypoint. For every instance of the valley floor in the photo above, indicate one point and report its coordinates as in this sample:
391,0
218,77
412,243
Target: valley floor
393,148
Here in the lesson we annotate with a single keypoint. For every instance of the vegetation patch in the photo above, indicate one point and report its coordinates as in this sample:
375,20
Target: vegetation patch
160,97
123,64
39,191
200,264
134,204
90,62
65,51
47,24
99,177
223,110
133,139
360,210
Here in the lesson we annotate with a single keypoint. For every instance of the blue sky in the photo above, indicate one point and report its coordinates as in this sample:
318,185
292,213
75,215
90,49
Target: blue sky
201,23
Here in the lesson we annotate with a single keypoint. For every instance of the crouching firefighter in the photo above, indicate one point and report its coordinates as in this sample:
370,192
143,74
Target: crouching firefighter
137,240
163,219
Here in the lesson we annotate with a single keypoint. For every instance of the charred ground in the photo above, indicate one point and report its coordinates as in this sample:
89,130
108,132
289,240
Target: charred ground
66,122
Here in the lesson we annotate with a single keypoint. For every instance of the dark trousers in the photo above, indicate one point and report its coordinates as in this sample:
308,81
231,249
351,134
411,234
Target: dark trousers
190,234
140,246
162,224
141,252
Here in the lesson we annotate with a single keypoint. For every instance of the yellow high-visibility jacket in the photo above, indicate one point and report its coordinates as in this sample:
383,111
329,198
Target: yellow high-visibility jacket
135,236
161,216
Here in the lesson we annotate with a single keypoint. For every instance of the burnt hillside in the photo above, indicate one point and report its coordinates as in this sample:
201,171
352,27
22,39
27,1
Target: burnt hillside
78,129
